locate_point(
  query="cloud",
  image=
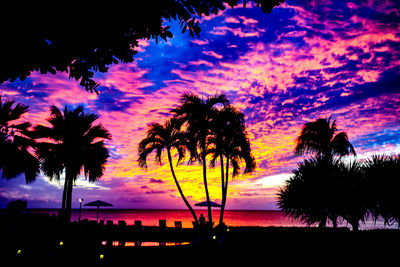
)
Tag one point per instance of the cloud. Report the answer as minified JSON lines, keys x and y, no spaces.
{"x":152,"y":192}
{"x":223,"y":30}
{"x":156,"y":181}
{"x":212,"y":54}
{"x":200,"y":42}
{"x":229,"y":19}
{"x":302,"y":61}
{"x":201,"y":62}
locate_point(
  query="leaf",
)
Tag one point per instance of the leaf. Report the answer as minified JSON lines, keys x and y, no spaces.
{"x":169,"y":34}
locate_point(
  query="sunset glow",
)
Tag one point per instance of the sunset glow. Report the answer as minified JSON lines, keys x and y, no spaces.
{"x":283,"y":69}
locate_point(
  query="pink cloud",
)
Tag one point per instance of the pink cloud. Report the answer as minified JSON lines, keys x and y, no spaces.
{"x":222,"y":30}
{"x":60,"y":89}
{"x":246,"y":20}
{"x":212,"y":54}
{"x":200,"y":42}
{"x":268,"y":72}
{"x":231,"y":20}
{"x":296,"y":34}
{"x":201,"y":62}
{"x":142,"y":44}
{"x":126,"y":78}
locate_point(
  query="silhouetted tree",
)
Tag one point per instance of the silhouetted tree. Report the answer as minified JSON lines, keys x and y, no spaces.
{"x":74,"y":143}
{"x":320,"y":139}
{"x":15,"y":142}
{"x":311,"y":193}
{"x":353,"y":202}
{"x":81,"y":40}
{"x":197,"y":115}
{"x":164,"y":138}
{"x":229,"y":140}
{"x":382,"y":174}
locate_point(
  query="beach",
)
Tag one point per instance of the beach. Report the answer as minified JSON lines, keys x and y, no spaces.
{"x":41,"y":238}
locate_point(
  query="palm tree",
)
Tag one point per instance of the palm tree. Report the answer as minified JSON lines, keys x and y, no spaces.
{"x":229,"y":140}
{"x":197,"y":115}
{"x":311,"y":193}
{"x":15,"y":142}
{"x":320,"y":138}
{"x":382,"y":174}
{"x":165,"y":137}
{"x":354,"y":193}
{"x":74,"y":144}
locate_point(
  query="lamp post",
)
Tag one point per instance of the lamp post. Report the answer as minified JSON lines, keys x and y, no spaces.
{"x":80,"y":208}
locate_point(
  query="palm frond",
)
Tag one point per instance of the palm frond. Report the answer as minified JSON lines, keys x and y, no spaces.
{"x":18,"y":111}
{"x":15,"y":141}
{"x":76,"y":144}
{"x":318,"y":138}
{"x":341,"y":145}
{"x":146,"y":147}
{"x":95,"y":161}
{"x":97,"y":131}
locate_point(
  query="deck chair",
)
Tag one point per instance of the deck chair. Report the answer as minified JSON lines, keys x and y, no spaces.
{"x":121,"y":223}
{"x":138,"y":225}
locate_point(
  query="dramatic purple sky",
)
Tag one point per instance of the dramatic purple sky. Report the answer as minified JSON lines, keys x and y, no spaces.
{"x":303,"y":61}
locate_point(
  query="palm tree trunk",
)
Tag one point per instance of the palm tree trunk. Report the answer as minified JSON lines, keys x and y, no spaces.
{"x":64,"y":195}
{"x":333,"y":218}
{"x":180,"y":189}
{"x":225,"y":194}
{"x":322,"y":222}
{"x":203,"y":158}
{"x":221,"y":215}
{"x":68,"y":201}
{"x":354,"y":223}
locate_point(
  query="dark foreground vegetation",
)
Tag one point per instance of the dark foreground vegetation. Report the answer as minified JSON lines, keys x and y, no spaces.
{"x":42,"y":239}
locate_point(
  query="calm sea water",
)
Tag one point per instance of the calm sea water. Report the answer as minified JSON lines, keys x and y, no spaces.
{"x":231,"y":217}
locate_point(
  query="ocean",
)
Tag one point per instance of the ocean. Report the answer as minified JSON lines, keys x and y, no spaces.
{"x":263,"y":218}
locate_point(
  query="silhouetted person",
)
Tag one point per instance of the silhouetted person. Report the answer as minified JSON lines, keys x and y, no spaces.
{"x":202,"y":221}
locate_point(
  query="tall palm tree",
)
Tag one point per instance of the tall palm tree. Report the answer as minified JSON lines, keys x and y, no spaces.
{"x":164,"y":138}
{"x":74,"y":143}
{"x":197,"y":115}
{"x":15,"y":142}
{"x":320,"y":138}
{"x":229,"y":140}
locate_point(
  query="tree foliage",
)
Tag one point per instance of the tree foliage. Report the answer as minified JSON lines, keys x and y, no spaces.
{"x":197,"y":115}
{"x":16,"y":142}
{"x":85,"y":39}
{"x":209,"y":128}
{"x":310,"y":194}
{"x":162,"y":138}
{"x":320,"y":138}
{"x":228,"y":141}
{"x":351,"y":190}
{"x":71,"y":144}
{"x":383,"y":180}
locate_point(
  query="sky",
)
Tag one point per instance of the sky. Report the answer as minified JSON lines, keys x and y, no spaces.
{"x":303,"y":61}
